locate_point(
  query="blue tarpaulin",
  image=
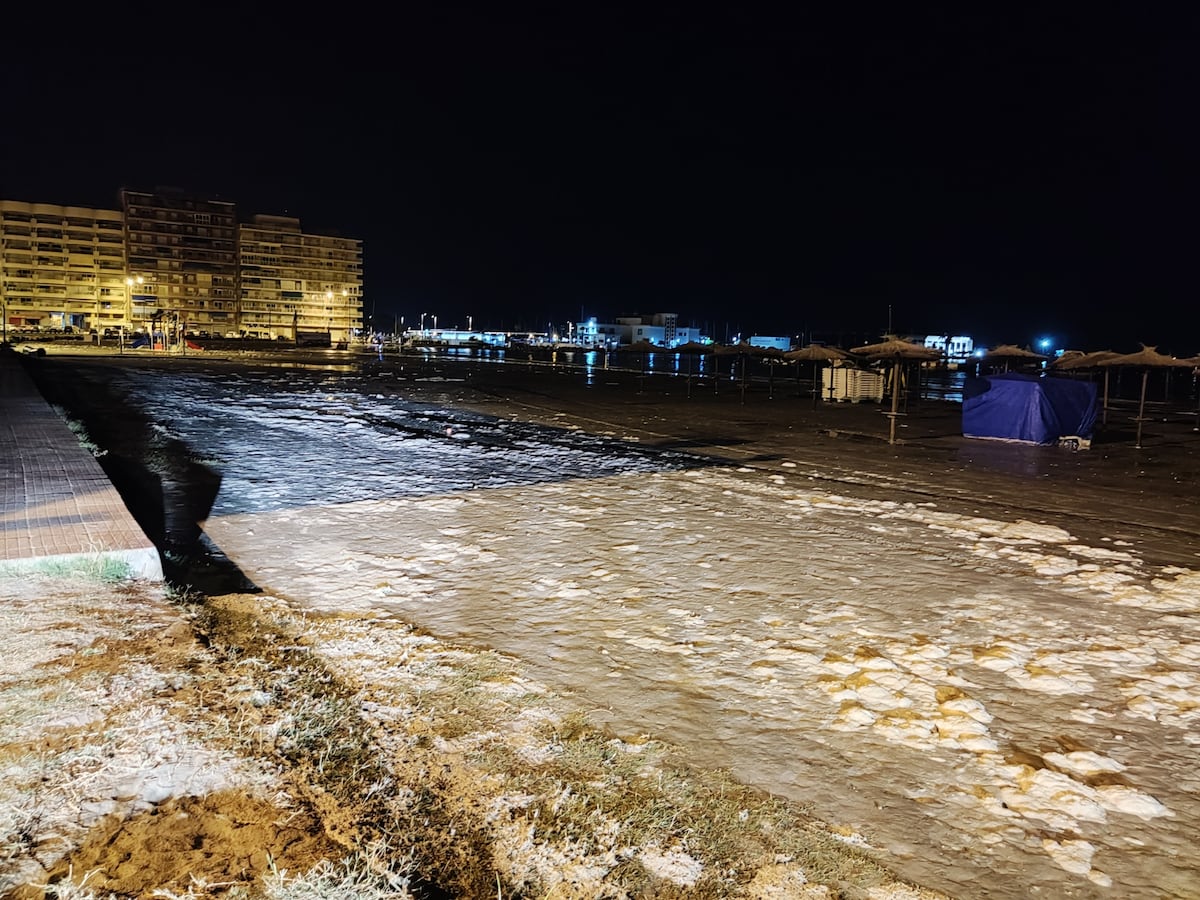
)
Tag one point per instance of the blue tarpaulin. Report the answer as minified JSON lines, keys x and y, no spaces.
{"x":1028,"y":408}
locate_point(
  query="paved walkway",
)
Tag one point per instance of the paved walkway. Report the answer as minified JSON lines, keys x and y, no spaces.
{"x":57,"y":507}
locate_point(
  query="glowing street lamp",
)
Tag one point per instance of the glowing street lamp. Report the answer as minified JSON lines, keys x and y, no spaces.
{"x":130,"y":281}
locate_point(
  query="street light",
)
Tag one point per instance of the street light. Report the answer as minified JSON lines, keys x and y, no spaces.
{"x":129,"y":283}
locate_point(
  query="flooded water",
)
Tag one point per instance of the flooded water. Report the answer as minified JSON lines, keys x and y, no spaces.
{"x":984,"y":699}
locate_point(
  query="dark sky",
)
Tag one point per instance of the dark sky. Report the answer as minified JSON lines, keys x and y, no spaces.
{"x":1006,"y":173}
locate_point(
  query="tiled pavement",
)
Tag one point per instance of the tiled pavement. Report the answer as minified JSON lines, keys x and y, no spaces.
{"x":56,"y":503}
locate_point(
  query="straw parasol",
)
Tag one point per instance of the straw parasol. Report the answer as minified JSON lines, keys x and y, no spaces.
{"x":898,"y":351}
{"x":1075,"y":359}
{"x":1009,"y":352}
{"x":644,"y":348}
{"x":1146,"y":359}
{"x":816,"y":354}
{"x":690,"y":350}
{"x":741,"y":350}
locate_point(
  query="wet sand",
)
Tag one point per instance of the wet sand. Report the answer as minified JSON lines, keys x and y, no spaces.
{"x":1144,"y":498}
{"x":1148,"y":496}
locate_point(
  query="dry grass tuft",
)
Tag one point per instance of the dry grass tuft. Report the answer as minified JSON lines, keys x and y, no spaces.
{"x":413,"y":768}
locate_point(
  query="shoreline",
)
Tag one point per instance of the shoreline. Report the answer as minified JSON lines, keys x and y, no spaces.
{"x":1149,"y":496}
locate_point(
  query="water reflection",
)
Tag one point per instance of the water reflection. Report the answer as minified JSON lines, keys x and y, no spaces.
{"x":943,"y":384}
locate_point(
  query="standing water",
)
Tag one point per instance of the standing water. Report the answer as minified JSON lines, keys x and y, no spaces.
{"x":984,"y":700}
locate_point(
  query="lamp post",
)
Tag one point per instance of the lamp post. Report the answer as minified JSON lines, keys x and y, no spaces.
{"x":129,"y":283}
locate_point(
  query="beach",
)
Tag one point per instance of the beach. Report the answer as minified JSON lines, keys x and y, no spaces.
{"x":968,"y":659}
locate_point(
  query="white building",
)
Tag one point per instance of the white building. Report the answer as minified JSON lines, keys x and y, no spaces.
{"x":957,"y":348}
{"x":662,"y":329}
{"x":770,"y":343}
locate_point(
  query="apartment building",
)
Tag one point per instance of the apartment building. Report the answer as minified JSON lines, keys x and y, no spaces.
{"x":61,"y":267}
{"x":295,"y":284}
{"x":175,"y":263}
{"x":182,"y":260}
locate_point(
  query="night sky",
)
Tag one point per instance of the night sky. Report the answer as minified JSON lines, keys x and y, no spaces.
{"x":1007,"y":173}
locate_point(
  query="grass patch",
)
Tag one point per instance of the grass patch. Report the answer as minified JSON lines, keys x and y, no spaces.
{"x":95,"y":567}
{"x":491,"y":787}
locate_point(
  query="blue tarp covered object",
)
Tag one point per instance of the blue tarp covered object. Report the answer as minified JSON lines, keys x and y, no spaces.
{"x":1028,"y":408}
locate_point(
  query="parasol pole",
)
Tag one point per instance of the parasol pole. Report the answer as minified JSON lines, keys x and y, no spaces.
{"x":1142,"y":406}
{"x":742,"y":361}
{"x":895,"y":401}
{"x":816,"y":385}
{"x":1104,"y":419}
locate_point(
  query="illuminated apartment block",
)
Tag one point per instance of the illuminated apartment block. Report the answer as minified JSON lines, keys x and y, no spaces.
{"x":175,"y":263}
{"x":182,"y":260}
{"x":61,"y":267}
{"x":295,"y":285}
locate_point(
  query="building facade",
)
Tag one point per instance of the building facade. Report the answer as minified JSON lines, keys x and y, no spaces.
{"x":171,"y":263}
{"x":61,"y":267}
{"x":182,"y":259}
{"x":956,"y":347}
{"x":295,"y":284}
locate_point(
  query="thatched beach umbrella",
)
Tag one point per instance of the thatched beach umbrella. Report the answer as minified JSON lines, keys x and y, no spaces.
{"x":1146,"y":359}
{"x":643,"y":348}
{"x":816,"y":354}
{"x":899,"y":352}
{"x":742,"y":351}
{"x":1077,"y":359}
{"x":1195,"y":362}
{"x":1007,"y":353}
{"x":693,"y":349}
{"x":1074,"y":360}
{"x":773,"y":356}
